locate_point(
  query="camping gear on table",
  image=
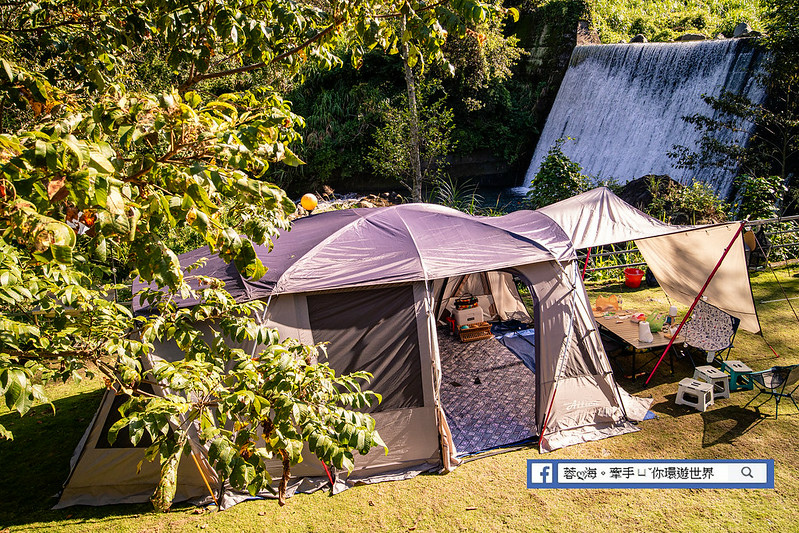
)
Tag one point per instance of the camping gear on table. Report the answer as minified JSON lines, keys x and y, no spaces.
{"x":644,"y":332}
{"x":655,"y":322}
{"x":608,"y":303}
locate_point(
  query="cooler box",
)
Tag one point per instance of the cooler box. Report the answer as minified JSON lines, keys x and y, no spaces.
{"x":465,"y":317}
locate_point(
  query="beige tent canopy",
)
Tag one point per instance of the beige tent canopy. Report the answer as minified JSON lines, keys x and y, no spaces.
{"x":368,"y":281}
{"x":681,"y":257}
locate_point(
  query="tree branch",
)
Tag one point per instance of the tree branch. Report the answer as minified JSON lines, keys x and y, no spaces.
{"x":422,"y":10}
{"x":34,"y":29}
{"x":193,"y":80}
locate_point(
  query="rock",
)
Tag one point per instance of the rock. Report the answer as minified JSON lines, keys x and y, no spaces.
{"x":639,"y":39}
{"x":586,"y":34}
{"x":691,"y":37}
{"x":638,"y":193}
{"x":741,"y":30}
{"x":719,"y":36}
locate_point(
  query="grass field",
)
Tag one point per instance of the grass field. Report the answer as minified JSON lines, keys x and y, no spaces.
{"x":483,"y":495}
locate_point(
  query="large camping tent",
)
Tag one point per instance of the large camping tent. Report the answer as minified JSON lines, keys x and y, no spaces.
{"x":370,"y":281}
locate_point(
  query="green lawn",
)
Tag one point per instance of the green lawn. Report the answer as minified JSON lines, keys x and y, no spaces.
{"x":483,"y":495}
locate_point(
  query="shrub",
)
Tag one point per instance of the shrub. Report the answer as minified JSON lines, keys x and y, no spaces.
{"x":758,"y":198}
{"x":558,"y":178}
{"x":696,"y":204}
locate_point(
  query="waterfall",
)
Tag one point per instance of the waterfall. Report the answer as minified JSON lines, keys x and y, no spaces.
{"x":622,"y":104}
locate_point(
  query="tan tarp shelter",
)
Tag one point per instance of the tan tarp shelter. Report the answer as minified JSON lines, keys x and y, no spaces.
{"x":681,"y":257}
{"x":365,"y":280}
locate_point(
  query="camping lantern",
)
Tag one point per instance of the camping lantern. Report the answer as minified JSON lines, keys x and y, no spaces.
{"x":309,"y":202}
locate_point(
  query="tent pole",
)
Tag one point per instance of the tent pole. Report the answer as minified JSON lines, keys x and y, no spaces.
{"x":696,"y":300}
{"x":563,"y":349}
{"x":207,"y":485}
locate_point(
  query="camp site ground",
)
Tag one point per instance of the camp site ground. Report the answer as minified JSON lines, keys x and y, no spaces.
{"x":489,"y":494}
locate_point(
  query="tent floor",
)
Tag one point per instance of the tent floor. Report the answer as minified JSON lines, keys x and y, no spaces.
{"x":487,"y":393}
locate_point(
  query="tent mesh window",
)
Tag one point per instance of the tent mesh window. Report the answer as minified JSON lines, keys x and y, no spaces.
{"x":373,"y":330}
{"x":123,"y":437}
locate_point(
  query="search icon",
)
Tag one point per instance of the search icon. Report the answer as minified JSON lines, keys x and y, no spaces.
{"x":747,"y":472}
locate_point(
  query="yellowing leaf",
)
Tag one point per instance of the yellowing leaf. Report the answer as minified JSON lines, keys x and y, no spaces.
{"x":114,"y":202}
{"x":100,"y":162}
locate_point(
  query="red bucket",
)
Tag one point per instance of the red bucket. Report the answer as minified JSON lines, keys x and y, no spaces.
{"x":632,"y":277}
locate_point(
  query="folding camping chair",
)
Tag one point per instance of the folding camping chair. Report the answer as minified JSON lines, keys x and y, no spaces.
{"x":775,"y":382}
{"x":710,"y":330}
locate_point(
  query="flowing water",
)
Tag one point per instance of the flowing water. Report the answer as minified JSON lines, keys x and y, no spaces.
{"x":623,"y":106}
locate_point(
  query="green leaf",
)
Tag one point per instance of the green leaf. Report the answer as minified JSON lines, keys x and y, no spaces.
{"x":113,"y":432}
{"x":63,"y":235}
{"x":61,"y":254}
{"x":114,"y":201}
{"x":136,"y":430}
{"x":242,"y":474}
{"x":99,"y":162}
{"x":167,"y":483}
{"x":291,"y":159}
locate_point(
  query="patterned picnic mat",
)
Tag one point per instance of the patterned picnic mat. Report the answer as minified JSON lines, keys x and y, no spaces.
{"x":487,"y":393}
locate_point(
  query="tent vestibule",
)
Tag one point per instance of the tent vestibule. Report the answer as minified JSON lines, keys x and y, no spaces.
{"x":681,"y":257}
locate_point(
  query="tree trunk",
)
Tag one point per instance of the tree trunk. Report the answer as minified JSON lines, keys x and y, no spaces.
{"x":413,"y":119}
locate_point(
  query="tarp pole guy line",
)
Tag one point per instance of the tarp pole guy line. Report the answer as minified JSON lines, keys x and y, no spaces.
{"x":696,"y":300}
{"x":784,"y":294}
{"x":779,"y":300}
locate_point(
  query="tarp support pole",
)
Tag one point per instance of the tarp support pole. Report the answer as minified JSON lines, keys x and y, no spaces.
{"x":696,"y":300}
{"x":585,"y":266}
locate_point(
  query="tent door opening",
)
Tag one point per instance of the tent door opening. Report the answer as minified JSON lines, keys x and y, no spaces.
{"x":487,"y":386}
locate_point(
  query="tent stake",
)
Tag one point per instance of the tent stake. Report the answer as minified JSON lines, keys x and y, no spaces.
{"x":696,"y":300}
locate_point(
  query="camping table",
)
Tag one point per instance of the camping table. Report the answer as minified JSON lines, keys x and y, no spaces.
{"x":627,"y":332}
